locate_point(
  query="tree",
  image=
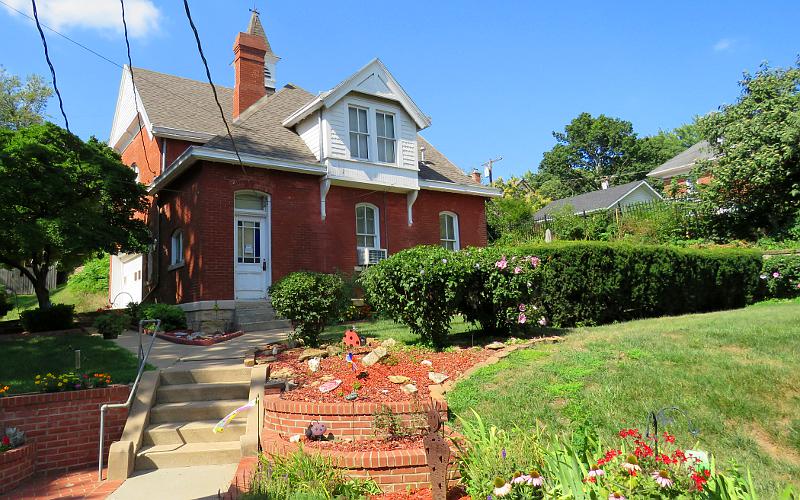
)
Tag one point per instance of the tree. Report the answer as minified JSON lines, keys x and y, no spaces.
{"x":22,"y":105}
{"x":515,"y":208}
{"x":657,"y":149}
{"x":63,"y":200}
{"x":755,"y":186}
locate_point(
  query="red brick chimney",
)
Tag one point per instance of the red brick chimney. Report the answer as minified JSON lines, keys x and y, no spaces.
{"x":476,"y":175}
{"x":248,"y":62}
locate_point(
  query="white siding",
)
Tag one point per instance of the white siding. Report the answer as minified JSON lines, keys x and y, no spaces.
{"x":336,"y":120}
{"x":357,"y":172}
{"x":308,"y":130}
{"x":639,"y":195}
{"x":126,"y":280}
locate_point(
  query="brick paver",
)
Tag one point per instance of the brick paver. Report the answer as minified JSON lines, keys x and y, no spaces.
{"x":80,"y":483}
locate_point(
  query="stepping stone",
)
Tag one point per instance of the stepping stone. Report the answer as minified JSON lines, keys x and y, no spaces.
{"x":496,"y":345}
{"x":312,"y":353}
{"x":437,"y":378}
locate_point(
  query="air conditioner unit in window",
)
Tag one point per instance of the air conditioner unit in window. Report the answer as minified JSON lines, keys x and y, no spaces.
{"x":369,"y":256}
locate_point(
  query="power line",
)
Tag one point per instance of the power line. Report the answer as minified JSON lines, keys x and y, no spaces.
{"x":49,"y":63}
{"x":210,"y":82}
{"x":135,"y":93}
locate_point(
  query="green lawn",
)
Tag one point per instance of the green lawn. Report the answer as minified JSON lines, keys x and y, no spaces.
{"x":460,"y":332}
{"x":23,"y":359}
{"x":63,"y":294}
{"x":734,"y":373}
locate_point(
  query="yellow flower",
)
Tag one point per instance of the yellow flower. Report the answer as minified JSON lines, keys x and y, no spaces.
{"x":38,"y":377}
{"x":60,"y":384}
{"x":37,"y":382}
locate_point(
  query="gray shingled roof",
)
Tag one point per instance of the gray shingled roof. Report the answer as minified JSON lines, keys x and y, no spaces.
{"x":700,"y":151}
{"x":180,"y":103}
{"x":255,"y":28}
{"x":184,"y":104}
{"x":594,"y":200}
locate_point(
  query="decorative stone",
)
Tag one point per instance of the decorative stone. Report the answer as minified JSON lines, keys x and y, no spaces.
{"x":437,"y":378}
{"x":313,"y":364}
{"x":398,"y":379}
{"x":352,"y":396}
{"x":312,"y":353}
{"x":329,"y":386}
{"x":389,"y":343}
{"x":249,"y":362}
{"x":496,"y":345}
{"x":282,"y":373}
{"x":327,"y":378}
{"x":426,"y":362}
{"x":296,"y":438}
{"x":373,"y":357}
{"x":409,"y":388}
{"x":333,"y":350}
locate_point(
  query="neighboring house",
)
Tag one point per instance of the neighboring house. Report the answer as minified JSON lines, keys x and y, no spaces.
{"x":603,"y":199}
{"x":328,"y":182}
{"x":680,"y":167}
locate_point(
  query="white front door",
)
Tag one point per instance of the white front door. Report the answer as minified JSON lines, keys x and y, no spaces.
{"x":251,"y":249}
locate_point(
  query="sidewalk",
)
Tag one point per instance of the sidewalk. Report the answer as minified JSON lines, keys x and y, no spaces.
{"x":182,"y":483}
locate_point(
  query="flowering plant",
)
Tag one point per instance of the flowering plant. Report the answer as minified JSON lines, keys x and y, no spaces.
{"x":4,"y":390}
{"x":780,"y":277}
{"x":71,"y":381}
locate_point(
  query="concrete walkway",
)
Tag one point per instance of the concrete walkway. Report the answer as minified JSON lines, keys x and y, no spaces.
{"x":183,"y":483}
{"x":167,"y":354}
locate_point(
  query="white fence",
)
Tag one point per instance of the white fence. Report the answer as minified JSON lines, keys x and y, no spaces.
{"x":12,"y":279}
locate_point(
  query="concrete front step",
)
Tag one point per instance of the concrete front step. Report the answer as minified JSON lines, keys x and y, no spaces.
{"x":199,"y":431}
{"x":178,"y":393}
{"x":189,"y":454}
{"x":193,"y":410}
{"x":205,"y":375}
{"x":258,"y":326}
{"x":248,"y":305}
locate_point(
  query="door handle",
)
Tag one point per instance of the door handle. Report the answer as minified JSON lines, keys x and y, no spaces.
{"x":263,"y":264}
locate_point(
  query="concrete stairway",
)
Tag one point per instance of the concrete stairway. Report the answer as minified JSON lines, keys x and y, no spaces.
{"x":256,"y":315}
{"x":188,"y":403}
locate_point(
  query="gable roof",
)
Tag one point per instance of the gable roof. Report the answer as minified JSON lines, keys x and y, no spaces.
{"x":595,"y":200}
{"x":437,"y":167}
{"x":684,"y":161}
{"x":373,"y":79}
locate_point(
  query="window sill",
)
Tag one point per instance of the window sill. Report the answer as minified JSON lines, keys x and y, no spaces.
{"x":175,"y":266}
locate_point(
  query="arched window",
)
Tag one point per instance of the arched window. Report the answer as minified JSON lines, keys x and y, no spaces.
{"x":448,"y":230}
{"x":176,"y":250}
{"x":135,"y":168}
{"x":368,"y":233}
{"x":250,"y":201}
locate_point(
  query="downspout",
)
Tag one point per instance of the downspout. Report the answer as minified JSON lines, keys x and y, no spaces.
{"x":325,"y":183}
{"x":385,"y":223}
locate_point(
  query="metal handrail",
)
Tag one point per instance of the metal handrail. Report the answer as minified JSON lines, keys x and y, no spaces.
{"x":127,"y":404}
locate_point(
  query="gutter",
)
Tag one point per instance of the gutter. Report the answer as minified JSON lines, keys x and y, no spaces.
{"x":451,"y":187}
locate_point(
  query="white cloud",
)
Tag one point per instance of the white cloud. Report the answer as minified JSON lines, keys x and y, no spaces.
{"x":723,"y":44}
{"x":142,"y":16}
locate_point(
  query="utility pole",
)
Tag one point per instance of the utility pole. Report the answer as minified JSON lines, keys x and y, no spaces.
{"x":487,"y":167}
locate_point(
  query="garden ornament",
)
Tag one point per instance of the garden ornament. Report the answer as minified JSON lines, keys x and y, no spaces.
{"x":663,"y":418}
{"x":316,"y":431}
{"x":351,"y":339}
{"x":437,"y":452}
{"x":313,"y":364}
{"x":352,"y":396}
{"x":329,"y":386}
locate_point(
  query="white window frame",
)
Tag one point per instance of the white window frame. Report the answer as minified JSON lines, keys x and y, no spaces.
{"x":358,"y":134}
{"x":376,"y":225}
{"x":177,"y":248}
{"x":456,"y":240}
{"x":379,"y":137}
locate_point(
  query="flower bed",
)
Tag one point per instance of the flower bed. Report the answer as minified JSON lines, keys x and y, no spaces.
{"x":188,"y":337}
{"x":16,"y":465}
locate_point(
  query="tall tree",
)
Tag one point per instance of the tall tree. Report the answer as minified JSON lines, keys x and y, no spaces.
{"x":756,"y":177}
{"x":63,"y":200}
{"x":21,"y":104}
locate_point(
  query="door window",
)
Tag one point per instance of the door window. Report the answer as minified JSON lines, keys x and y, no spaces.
{"x":249,"y":242}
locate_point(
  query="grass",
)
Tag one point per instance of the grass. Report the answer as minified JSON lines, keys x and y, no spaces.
{"x":461,"y":332}
{"x":25,"y":358}
{"x":63,"y":294}
{"x":734,"y":373}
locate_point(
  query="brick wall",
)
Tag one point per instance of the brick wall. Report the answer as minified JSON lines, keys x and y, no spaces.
{"x":201,"y":203}
{"x":16,"y":466}
{"x":65,"y":426}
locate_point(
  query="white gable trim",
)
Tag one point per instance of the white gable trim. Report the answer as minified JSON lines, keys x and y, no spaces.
{"x":125,"y":112}
{"x":658,"y":195}
{"x":374,"y":69}
{"x":451,"y":187}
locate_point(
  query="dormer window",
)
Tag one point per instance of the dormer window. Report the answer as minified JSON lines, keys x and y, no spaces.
{"x":359,"y":133}
{"x":386,"y":137}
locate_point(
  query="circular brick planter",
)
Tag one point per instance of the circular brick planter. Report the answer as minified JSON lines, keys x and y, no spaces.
{"x":16,"y":465}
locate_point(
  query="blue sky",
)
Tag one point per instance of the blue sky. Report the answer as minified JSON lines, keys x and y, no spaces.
{"x":496,"y":78}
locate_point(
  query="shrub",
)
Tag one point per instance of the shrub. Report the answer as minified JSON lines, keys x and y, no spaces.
{"x":5,"y":302}
{"x":305,"y":476}
{"x":57,"y":317}
{"x":110,"y":325}
{"x":93,"y":278}
{"x":134,"y":311}
{"x":780,"y":277}
{"x":172,"y":317}
{"x":309,"y":300}
{"x":418,"y":287}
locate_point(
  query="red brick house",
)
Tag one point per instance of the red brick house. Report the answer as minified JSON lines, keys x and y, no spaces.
{"x":327,"y":182}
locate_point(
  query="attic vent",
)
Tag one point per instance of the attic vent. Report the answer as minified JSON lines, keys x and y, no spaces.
{"x":267,"y":74}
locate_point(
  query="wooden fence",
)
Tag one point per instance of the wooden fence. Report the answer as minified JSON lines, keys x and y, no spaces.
{"x":12,"y":279}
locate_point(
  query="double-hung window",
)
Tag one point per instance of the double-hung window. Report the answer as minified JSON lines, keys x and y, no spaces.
{"x":448,"y":230}
{"x":367,"y":232}
{"x":386,"y":137}
{"x":176,"y":250}
{"x":359,"y":133}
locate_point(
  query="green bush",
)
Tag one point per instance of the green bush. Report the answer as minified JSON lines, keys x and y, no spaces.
{"x":5,"y":302}
{"x":93,"y":278}
{"x":780,"y":277}
{"x":309,"y":300}
{"x":110,"y":325}
{"x":57,"y":317}
{"x":134,"y":311}
{"x":418,"y":287}
{"x":172,"y":317}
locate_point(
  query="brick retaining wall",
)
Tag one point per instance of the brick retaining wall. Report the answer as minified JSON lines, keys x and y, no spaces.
{"x":16,"y":466}
{"x":65,"y":426}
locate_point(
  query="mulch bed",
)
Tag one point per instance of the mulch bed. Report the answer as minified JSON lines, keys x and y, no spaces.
{"x":372,"y":382}
{"x":406,"y":443}
{"x":205,"y":340}
{"x":456,"y":493}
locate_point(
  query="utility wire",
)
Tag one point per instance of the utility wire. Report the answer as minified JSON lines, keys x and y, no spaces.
{"x":135,"y":93}
{"x":210,"y":82}
{"x":49,"y":63}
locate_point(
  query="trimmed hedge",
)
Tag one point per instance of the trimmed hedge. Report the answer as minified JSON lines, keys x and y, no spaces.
{"x":564,"y":284}
{"x":172,"y":317}
{"x":57,"y":317}
{"x":780,"y":277}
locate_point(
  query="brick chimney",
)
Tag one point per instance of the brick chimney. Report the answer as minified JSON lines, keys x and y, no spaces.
{"x":476,"y":175}
{"x":248,"y":63}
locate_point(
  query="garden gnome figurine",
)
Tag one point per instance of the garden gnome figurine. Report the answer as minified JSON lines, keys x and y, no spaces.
{"x":437,"y":452}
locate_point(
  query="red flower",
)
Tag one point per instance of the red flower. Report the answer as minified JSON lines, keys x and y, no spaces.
{"x":6,"y":441}
{"x":707,"y":473}
{"x":590,"y":480}
{"x":630,"y":432}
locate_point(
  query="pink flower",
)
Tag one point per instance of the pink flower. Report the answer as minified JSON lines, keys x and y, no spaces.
{"x":536,"y":479}
{"x":542,"y":321}
{"x":798,"y":284}
{"x":596,"y":472}
{"x":662,"y":478}
{"x":517,"y":270}
{"x":522,"y":308}
{"x":502,"y":263}
{"x":522,"y":318}
{"x":776,"y":274}
{"x":535,"y":261}
{"x":502,"y":491}
{"x":616,"y":496}
{"x":523,"y":479}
